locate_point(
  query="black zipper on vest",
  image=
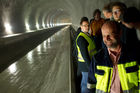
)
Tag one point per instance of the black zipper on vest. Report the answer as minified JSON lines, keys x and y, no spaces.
{"x":108,"y":79}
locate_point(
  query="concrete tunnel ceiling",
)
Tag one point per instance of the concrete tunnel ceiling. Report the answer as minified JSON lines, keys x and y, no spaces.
{"x":25,"y":15}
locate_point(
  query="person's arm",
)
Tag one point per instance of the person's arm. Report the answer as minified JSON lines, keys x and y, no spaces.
{"x":91,"y":84}
{"x":83,"y":45}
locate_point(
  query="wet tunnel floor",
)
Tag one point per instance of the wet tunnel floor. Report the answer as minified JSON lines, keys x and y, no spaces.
{"x":44,"y":69}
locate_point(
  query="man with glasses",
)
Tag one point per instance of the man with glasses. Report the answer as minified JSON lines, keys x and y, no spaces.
{"x":118,"y":9}
{"x":86,"y":49}
{"x":128,"y":35}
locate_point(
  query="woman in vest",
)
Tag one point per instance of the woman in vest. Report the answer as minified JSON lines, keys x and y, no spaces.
{"x":86,"y":49}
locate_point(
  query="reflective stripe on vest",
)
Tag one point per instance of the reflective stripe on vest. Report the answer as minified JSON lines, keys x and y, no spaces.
{"x":126,"y":91}
{"x":133,"y":90}
{"x":100,"y":91}
{"x":103,"y":78}
{"x":91,"y":86}
{"x":128,"y":74}
{"x":139,"y":77}
{"x":131,"y":76}
{"x":91,"y":47}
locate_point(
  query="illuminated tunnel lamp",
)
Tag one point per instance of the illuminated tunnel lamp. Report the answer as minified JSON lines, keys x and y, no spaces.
{"x":27,"y":27}
{"x":48,"y":25}
{"x":37,"y":26}
{"x":8,"y":28}
{"x":43,"y":24}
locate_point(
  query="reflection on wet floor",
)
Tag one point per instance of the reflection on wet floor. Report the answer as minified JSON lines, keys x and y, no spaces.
{"x":32,"y":72}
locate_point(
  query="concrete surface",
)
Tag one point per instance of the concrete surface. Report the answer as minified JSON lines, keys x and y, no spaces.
{"x":45,"y":69}
{"x":14,"y":47}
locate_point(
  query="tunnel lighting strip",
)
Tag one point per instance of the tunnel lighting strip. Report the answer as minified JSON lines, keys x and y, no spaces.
{"x":8,"y":28}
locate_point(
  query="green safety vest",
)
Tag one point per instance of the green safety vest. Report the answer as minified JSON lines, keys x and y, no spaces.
{"x":129,"y":74}
{"x":91,"y":47}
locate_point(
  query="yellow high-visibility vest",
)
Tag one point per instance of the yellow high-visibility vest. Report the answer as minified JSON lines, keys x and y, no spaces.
{"x":128,"y":74}
{"x":91,"y":47}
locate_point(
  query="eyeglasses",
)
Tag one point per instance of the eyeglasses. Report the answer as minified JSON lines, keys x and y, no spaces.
{"x":85,"y":25}
{"x":116,"y":11}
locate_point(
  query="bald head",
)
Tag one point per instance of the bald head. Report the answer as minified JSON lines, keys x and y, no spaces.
{"x":111,"y":34}
{"x":112,"y":25}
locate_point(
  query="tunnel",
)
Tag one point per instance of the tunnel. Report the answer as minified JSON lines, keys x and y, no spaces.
{"x":24,"y":16}
{"x":36,"y":43}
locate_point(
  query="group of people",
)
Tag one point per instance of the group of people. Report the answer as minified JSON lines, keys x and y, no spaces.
{"x":108,"y":50}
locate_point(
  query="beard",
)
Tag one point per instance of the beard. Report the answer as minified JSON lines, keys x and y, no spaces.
{"x":110,"y":44}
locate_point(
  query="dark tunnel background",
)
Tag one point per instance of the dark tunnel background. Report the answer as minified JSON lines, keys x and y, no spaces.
{"x":19,"y":16}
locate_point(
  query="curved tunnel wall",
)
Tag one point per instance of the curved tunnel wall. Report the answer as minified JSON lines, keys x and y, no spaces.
{"x":18,"y":16}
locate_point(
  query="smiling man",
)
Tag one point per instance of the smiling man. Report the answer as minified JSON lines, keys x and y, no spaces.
{"x":114,"y":69}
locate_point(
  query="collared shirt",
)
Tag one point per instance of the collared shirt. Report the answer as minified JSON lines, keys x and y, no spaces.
{"x":115,"y":83}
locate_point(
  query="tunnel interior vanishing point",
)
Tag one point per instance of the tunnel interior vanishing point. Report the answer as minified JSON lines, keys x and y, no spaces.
{"x":19,"y":16}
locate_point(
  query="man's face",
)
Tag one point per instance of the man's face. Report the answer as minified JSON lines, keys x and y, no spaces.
{"x":97,"y":16}
{"x":85,"y":26}
{"x":109,"y":37}
{"x":116,"y":13}
{"x":105,"y":13}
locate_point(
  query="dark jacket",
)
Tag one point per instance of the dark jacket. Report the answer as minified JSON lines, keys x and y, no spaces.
{"x":129,"y":36}
{"x":102,"y":59}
